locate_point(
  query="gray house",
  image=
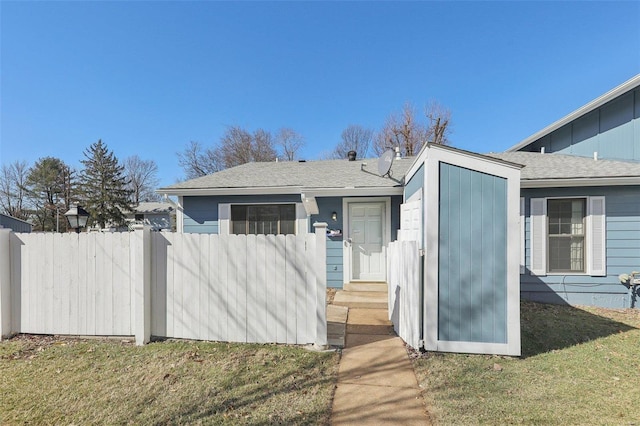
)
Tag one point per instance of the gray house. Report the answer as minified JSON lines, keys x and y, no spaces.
{"x":15,"y":224}
{"x":440,"y":201}
{"x":578,"y":193}
{"x":158,"y":215}
{"x":288,"y":197}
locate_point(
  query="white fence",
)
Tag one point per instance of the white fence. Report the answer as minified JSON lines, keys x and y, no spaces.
{"x":206,"y":287}
{"x":403,"y":278}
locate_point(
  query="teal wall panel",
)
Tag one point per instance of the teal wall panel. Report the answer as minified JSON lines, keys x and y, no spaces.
{"x":613,"y":131}
{"x":472,"y":252}
{"x":622,"y":206}
{"x":415,"y":183}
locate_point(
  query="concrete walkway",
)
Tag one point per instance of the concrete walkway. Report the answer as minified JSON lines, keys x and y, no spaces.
{"x":376,"y":382}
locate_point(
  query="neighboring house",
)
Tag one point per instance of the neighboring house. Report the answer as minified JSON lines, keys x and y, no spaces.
{"x":16,"y":225}
{"x":160,"y":216}
{"x":581,"y":202}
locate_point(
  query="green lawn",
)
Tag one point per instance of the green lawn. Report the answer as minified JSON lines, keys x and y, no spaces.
{"x":579,"y":367}
{"x":46,"y":380}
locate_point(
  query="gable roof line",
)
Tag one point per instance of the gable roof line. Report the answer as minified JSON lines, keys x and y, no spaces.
{"x":596,"y":103}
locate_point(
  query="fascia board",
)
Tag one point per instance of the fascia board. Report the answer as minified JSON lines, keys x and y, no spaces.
{"x":316,"y":192}
{"x":232,"y":191}
{"x":596,"y":103}
{"x":354,"y":192}
{"x":576,"y":182}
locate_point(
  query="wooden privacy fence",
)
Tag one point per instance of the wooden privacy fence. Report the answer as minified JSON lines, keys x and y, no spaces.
{"x":236,"y":288}
{"x":404,"y":279}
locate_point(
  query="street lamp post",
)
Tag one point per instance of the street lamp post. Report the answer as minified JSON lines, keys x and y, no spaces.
{"x":77,"y":217}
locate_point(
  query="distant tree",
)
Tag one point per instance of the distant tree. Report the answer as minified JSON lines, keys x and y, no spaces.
{"x":401,"y":130}
{"x":406,"y":131}
{"x":289,"y":141}
{"x":239,"y":146}
{"x":142,"y":176}
{"x":46,"y":187}
{"x":353,"y":138}
{"x":439,"y":126}
{"x":104,"y":186}
{"x":197,"y":161}
{"x":13,"y":193}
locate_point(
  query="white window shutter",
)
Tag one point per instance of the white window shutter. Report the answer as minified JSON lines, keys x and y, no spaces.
{"x":596,"y":238}
{"x":522,"y":237}
{"x":224,"y":219}
{"x":538,"y":236}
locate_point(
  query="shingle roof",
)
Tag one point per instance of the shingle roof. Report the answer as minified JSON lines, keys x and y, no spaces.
{"x":324,"y":174}
{"x":559,"y":166}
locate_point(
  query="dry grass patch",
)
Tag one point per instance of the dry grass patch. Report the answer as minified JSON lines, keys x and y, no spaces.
{"x":579,"y":366}
{"x":45,"y":380}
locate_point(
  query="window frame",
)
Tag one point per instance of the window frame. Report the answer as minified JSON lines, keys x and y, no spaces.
{"x":224,"y":216}
{"x":595,"y":236}
{"x":549,"y":236}
{"x":247,"y":221}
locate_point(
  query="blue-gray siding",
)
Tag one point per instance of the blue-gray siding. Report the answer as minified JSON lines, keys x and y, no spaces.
{"x":622,"y":206}
{"x":16,"y":225}
{"x":335,"y":263}
{"x":472,"y":252}
{"x":201,"y":213}
{"x":201,"y":216}
{"x":613,"y":131}
{"x":415,"y":183}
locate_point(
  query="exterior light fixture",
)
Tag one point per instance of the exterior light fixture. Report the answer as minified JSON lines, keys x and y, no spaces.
{"x":334,"y":216}
{"x":77,"y":217}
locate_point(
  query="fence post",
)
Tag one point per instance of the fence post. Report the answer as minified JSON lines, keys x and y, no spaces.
{"x":141,"y":282}
{"x":321,"y":285}
{"x":5,"y":283}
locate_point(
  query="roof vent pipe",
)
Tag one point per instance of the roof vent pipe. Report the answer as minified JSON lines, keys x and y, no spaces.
{"x":595,"y":155}
{"x":398,"y":156}
{"x":542,"y":150}
{"x":351,"y":155}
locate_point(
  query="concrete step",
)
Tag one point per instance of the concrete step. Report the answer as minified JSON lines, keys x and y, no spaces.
{"x":366,"y":286}
{"x":337,"y":325}
{"x":369,"y":321}
{"x":361,"y":299}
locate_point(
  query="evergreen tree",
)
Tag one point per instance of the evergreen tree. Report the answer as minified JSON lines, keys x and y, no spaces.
{"x":104,"y":187}
{"x":49,"y":185}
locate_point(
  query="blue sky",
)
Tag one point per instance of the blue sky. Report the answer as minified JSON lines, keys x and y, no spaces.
{"x":148,"y":77}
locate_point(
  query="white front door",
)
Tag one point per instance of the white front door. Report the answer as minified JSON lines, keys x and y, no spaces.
{"x":366,"y":239}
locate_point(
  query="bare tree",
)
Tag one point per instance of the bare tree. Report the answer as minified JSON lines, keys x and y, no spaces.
{"x":289,"y":142}
{"x":407,"y":132}
{"x":239,"y":146}
{"x":142,"y":176}
{"x":353,"y":138}
{"x":197,"y":161}
{"x":439,"y":126}
{"x":13,"y":194}
{"x":402,"y":130}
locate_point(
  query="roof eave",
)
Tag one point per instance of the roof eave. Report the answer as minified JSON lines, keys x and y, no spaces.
{"x":319,"y":192}
{"x":596,"y":103}
{"x":577,"y":182}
